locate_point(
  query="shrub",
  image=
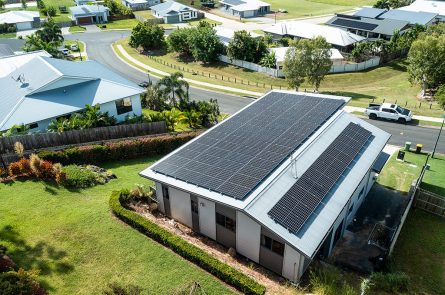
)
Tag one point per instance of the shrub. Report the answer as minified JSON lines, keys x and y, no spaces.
{"x":19,"y":149}
{"x":20,"y":282}
{"x":51,"y":11}
{"x":78,"y":177}
{"x":390,"y":282}
{"x":24,"y":165}
{"x":440,"y":96}
{"x":194,"y":254}
{"x":119,"y":150}
{"x":327,"y":280}
{"x":2,"y":172}
{"x":35,"y":162}
{"x":14,"y":169}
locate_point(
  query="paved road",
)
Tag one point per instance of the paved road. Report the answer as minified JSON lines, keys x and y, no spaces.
{"x":98,"y":48}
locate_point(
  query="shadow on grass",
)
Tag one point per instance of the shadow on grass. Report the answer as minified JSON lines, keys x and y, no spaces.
{"x":353,"y":95}
{"x":42,"y":256}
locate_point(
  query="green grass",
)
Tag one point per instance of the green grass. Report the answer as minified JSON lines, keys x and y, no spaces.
{"x":127,"y":24}
{"x":57,"y":3}
{"x":148,"y":14}
{"x":210,"y":21}
{"x":8,"y":35}
{"x":420,"y":252}
{"x":80,"y":247}
{"x":77,"y":29}
{"x":434,"y":179}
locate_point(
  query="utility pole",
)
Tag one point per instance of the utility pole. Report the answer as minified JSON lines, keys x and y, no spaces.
{"x":80,"y":51}
{"x":438,"y":136}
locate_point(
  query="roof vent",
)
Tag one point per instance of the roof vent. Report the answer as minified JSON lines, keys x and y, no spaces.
{"x":21,"y":79}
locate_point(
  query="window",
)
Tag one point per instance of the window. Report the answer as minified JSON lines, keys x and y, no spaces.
{"x":386,"y":110}
{"x":272,"y":245}
{"x":225,"y":221}
{"x":361,"y":193}
{"x":165,"y":192}
{"x":123,"y":106}
{"x":350,"y":209}
{"x":33,"y":125}
{"x":194,"y":205}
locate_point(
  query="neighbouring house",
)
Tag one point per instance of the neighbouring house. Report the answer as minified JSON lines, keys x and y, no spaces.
{"x":173,"y":12}
{"x":244,"y":8}
{"x":412,"y":17}
{"x":23,"y":20}
{"x":338,"y":38}
{"x":11,"y":62}
{"x":437,"y":7}
{"x":5,"y":50}
{"x":370,"y":28}
{"x":279,"y":181}
{"x":280,"y":53}
{"x":140,"y":4}
{"x":90,"y":14}
{"x":44,"y":89}
{"x":226,"y":35}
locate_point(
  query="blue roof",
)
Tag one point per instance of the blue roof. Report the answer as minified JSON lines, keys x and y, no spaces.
{"x":370,"y":12}
{"x":51,"y":88}
{"x":88,"y":9}
{"x":413,"y":17}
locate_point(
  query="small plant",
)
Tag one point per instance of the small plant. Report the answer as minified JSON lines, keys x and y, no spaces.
{"x":21,"y":282}
{"x":24,"y":165}
{"x":14,"y":169}
{"x":390,"y":282}
{"x":84,"y":176}
{"x":51,"y":11}
{"x":117,"y":289}
{"x":35,"y":162}
{"x":19,"y":149}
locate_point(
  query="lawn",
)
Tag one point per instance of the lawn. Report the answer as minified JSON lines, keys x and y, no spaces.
{"x":77,"y":29}
{"x":127,"y":24}
{"x":8,"y":35}
{"x":80,"y":247}
{"x":386,"y":83}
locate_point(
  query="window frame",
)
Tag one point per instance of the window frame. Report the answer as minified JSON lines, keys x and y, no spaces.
{"x":272,"y":245}
{"x":121,"y":108}
{"x":226,"y":222}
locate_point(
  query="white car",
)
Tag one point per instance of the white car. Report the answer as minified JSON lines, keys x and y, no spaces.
{"x":64,"y":51}
{"x":74,"y":47}
{"x":389,"y":111}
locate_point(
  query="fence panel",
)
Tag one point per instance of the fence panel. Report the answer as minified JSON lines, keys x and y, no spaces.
{"x":49,"y":139}
{"x":430,"y":202}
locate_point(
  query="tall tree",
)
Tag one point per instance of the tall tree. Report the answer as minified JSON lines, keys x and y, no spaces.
{"x":294,"y":67}
{"x":176,"y":86}
{"x":245,"y":47}
{"x":2,"y":4}
{"x":205,"y":45}
{"x":318,"y":55}
{"x":50,"y":32}
{"x":147,"y":35}
{"x":24,"y":4}
{"x":426,"y":61}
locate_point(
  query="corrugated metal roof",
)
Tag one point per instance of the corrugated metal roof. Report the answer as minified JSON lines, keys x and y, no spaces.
{"x":88,"y":9}
{"x":379,"y":26}
{"x":370,"y":12}
{"x":413,"y":17}
{"x":18,"y":16}
{"x":164,"y":9}
{"x":427,"y":6}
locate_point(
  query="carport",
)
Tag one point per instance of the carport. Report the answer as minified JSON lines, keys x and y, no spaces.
{"x":84,"y":20}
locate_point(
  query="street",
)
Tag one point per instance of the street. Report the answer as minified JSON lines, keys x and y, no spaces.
{"x":99,"y":49}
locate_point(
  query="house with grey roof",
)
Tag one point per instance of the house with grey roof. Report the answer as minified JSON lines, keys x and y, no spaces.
{"x":140,"y":4}
{"x":173,"y":12}
{"x":413,"y":17}
{"x":22,"y":20}
{"x":244,"y":8}
{"x":278,"y":181}
{"x":431,"y":6}
{"x":370,"y":28}
{"x":90,"y":14}
{"x":44,"y":89}
{"x":84,"y":2}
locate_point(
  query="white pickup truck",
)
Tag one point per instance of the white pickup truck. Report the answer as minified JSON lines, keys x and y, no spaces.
{"x":389,"y":111}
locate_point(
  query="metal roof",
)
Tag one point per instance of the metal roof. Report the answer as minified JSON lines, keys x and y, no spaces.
{"x":88,"y":10}
{"x":427,"y":6}
{"x":379,"y":26}
{"x":370,"y":12}
{"x":51,"y":88}
{"x":18,"y":16}
{"x":9,"y":64}
{"x":413,"y":17}
{"x":334,"y":36}
{"x":165,"y":8}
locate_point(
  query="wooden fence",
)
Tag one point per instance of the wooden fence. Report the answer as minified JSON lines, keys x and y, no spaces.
{"x":49,"y":139}
{"x":430,"y":202}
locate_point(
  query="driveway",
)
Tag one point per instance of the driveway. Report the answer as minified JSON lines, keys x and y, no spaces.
{"x":26,"y":33}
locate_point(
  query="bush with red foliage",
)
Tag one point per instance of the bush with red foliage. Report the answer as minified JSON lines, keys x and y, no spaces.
{"x":25,"y":167}
{"x":14,"y":169}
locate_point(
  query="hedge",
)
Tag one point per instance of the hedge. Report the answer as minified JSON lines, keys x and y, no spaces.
{"x":188,"y":251}
{"x":119,"y":150}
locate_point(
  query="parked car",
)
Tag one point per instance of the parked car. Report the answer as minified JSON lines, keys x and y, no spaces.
{"x":74,"y":47}
{"x":64,"y":51}
{"x":389,"y":111}
{"x":144,"y":84}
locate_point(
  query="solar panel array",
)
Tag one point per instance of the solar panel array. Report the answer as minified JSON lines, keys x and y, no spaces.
{"x":234,"y":157}
{"x":354,"y":24}
{"x":300,"y":201}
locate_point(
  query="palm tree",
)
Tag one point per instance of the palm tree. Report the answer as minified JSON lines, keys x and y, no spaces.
{"x":50,"y":32}
{"x":176,"y":86}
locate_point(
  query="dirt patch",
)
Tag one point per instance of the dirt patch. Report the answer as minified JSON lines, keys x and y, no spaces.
{"x":274,"y":284}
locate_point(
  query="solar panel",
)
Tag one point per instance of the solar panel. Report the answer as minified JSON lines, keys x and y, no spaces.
{"x":302,"y":199}
{"x":354,"y":24}
{"x":243,"y":150}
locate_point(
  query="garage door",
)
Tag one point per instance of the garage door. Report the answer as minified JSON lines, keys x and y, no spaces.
{"x":249,"y":13}
{"x":84,"y":20}
{"x":24,"y":26}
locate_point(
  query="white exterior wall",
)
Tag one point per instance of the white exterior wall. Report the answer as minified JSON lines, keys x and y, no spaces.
{"x":293,"y":264}
{"x":188,"y":15}
{"x":180,"y":206}
{"x":248,"y":235}
{"x":160,"y":197}
{"x":207,"y":222}
{"x":110,"y":107}
{"x":24,"y":26}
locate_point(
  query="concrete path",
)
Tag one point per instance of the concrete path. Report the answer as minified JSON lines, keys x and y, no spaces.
{"x":91,"y":29}
{"x":65,"y":31}
{"x":19,"y":5}
{"x":200,"y":83}
{"x":351,"y":109}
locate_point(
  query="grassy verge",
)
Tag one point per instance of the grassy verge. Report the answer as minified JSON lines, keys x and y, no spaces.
{"x":77,"y":29}
{"x":126,"y":24}
{"x":8,"y":35}
{"x":388,"y":83}
{"x":80,"y":247}
{"x":413,"y":122}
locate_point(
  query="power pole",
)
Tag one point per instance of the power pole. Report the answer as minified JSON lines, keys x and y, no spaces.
{"x":438,"y":137}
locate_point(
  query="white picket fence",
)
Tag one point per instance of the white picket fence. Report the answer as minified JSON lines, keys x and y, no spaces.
{"x":356,"y":67}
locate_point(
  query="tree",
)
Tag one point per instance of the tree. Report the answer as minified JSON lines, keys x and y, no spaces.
{"x":51,"y":11}
{"x":2,"y":4}
{"x":154,"y":98}
{"x":24,"y":4}
{"x":176,"y":86}
{"x":177,"y":41}
{"x":318,"y":54}
{"x":440,"y":96}
{"x":117,"y":8}
{"x":147,"y":35}
{"x":205,"y":45}
{"x":50,"y":32}
{"x":41,"y":5}
{"x":392,"y":4}
{"x":425,"y":58}
{"x":294,"y":67}
{"x":48,"y":38}
{"x":245,"y":47}
{"x":269,"y":60}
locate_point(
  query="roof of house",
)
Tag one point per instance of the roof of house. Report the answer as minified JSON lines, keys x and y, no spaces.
{"x":15,"y":44}
{"x":44,"y":88}
{"x":137,"y":1}
{"x":225,"y":35}
{"x":427,"y":6}
{"x":378,"y":26}
{"x":12,"y":62}
{"x":18,"y":16}
{"x":249,"y":161}
{"x":413,"y":17}
{"x":5,"y":50}
{"x":280,"y":53}
{"x":370,"y":12}
{"x":244,"y":5}
{"x":88,"y":9}
{"x":334,"y":36}
{"x":170,"y":7}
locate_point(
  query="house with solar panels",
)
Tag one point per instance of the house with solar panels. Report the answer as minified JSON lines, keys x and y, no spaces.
{"x":278,"y":181}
